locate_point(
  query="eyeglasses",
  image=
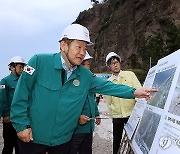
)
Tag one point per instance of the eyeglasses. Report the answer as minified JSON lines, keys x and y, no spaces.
{"x":114,"y":63}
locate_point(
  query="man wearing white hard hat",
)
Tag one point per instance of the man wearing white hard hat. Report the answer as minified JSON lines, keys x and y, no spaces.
{"x":51,"y":92}
{"x":81,"y":141}
{"x":86,"y":62}
{"x":120,"y":109}
{"x":8,"y":84}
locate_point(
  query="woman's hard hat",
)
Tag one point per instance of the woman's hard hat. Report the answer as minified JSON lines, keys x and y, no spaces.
{"x":76,"y":32}
{"x":17,"y":59}
{"x":110,"y":55}
{"x":87,"y":56}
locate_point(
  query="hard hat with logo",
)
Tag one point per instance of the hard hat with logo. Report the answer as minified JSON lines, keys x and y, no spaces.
{"x":110,"y":55}
{"x":87,"y":56}
{"x":17,"y":59}
{"x":76,"y":32}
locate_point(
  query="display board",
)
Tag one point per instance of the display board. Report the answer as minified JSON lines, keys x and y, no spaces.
{"x":139,"y":107}
{"x":158,"y":130}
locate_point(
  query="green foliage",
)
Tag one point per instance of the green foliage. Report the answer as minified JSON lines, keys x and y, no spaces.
{"x":153,"y":48}
{"x":104,"y":69}
{"x":134,"y":61}
{"x":173,"y":41}
{"x":157,"y":47}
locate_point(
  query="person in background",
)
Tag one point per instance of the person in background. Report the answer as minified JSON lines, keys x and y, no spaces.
{"x":120,"y":109}
{"x":1,"y":87}
{"x":81,"y":142}
{"x":98,"y":98}
{"x":8,"y":85}
{"x":51,"y":93}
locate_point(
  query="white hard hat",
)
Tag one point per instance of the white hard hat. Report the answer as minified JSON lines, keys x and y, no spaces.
{"x":110,"y":55}
{"x":87,"y":56}
{"x":76,"y":32}
{"x":17,"y":59}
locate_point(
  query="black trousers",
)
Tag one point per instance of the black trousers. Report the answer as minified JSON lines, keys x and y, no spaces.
{"x":10,"y":139}
{"x":81,"y":144}
{"x":118,"y":125}
{"x":34,"y":148}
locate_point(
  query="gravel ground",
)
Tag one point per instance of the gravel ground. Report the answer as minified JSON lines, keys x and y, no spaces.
{"x":102,"y":142}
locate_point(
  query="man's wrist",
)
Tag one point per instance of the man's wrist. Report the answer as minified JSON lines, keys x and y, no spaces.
{"x":133,"y":90}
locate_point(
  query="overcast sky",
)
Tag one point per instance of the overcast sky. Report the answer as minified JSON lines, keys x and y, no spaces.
{"x":28,"y":27}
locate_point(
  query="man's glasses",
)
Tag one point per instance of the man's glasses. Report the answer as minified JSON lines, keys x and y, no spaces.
{"x":114,"y":63}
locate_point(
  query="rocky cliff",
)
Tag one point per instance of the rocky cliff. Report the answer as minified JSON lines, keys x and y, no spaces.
{"x":119,"y":25}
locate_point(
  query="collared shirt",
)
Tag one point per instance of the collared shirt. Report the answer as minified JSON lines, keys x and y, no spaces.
{"x":118,"y":107}
{"x":69,"y":72}
{"x":116,"y":77}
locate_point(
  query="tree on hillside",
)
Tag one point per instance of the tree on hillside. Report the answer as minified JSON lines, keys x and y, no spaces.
{"x":152,"y":48}
{"x":173,"y":40}
{"x":156,"y":47}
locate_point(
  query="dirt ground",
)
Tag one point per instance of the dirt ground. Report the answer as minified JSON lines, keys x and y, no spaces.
{"x":102,"y":142}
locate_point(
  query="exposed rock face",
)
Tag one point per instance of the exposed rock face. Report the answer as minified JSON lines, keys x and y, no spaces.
{"x":118,"y":25}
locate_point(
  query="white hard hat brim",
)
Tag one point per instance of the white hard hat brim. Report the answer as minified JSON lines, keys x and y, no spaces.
{"x":110,"y":55}
{"x":77,"y":32}
{"x":87,"y":56}
{"x":17,"y":59}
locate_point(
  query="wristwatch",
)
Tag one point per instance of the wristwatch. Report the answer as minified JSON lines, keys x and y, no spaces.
{"x":28,"y":126}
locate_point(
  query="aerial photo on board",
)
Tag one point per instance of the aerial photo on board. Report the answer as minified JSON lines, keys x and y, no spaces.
{"x":147,"y":130}
{"x":175,"y":103}
{"x":162,"y":82}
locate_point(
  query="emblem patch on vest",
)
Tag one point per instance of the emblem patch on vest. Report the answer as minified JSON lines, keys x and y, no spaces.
{"x":28,"y":69}
{"x":76,"y":82}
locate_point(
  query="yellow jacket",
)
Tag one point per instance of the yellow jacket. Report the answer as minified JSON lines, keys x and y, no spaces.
{"x":118,"y":107}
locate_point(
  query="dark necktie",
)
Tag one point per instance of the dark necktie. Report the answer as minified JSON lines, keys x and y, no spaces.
{"x":63,"y":76}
